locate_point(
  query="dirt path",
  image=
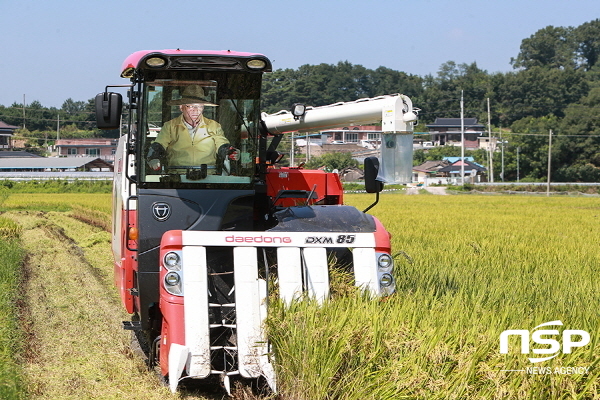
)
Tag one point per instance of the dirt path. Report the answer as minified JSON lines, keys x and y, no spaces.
{"x":436,"y":190}
{"x":76,"y":348}
{"x":441,"y":190}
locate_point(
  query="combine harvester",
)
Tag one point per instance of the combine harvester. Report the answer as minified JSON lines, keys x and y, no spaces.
{"x":198,"y":246}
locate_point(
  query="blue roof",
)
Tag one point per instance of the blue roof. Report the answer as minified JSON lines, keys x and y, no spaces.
{"x":452,"y":160}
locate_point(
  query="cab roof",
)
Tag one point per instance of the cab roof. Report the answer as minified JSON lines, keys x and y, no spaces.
{"x":133,"y":60}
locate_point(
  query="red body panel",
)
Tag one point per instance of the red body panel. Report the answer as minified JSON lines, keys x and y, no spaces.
{"x":329,"y":187}
{"x":171,"y":307}
{"x":125,"y":267}
{"x":382,"y":238}
{"x":172,"y":330}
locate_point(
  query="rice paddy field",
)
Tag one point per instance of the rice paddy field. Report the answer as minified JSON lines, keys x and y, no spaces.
{"x":468,"y":267}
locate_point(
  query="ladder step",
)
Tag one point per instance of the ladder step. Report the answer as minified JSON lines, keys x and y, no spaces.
{"x":228,"y":373}
{"x":220,"y":273}
{"x":222,"y":326}
{"x":221,"y":305}
{"x":223,"y":348}
{"x":132,"y":325}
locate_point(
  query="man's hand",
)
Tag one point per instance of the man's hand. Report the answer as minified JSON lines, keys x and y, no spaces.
{"x":154,"y":164}
{"x":233,"y":154}
{"x":155,"y":154}
{"x":229,"y":152}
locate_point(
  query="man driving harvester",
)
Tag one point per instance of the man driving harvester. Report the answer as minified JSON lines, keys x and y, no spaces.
{"x":191,"y":140}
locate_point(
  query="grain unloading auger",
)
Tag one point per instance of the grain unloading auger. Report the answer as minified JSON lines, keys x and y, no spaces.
{"x":205,"y":221}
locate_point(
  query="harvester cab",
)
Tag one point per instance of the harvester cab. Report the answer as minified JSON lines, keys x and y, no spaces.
{"x":205,"y":223}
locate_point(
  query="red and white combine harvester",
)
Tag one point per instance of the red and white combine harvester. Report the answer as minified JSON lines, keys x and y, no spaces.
{"x":206,"y":223}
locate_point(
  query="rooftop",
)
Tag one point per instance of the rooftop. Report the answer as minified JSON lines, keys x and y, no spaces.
{"x":4,"y":125}
{"x":17,"y":154}
{"x":455,"y":123}
{"x":43,"y":163}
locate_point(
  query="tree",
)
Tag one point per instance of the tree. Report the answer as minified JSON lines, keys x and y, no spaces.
{"x":38,"y":117}
{"x":531,"y":137}
{"x":549,"y":47}
{"x":442,"y":93}
{"x":561,"y":47}
{"x":388,"y":81}
{"x":319,"y":85}
{"x":538,"y":91}
{"x":578,"y":149}
{"x":587,"y":37}
{"x":72,"y":107}
{"x":331,"y":161}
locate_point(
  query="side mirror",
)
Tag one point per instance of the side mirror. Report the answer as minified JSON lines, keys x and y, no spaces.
{"x":372,"y":185}
{"x":108,"y":110}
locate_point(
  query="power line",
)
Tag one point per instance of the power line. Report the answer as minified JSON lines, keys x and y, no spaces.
{"x":544,"y":135}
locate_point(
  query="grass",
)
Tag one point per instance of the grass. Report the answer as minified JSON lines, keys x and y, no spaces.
{"x":57,"y":186}
{"x":100,"y":202}
{"x":11,"y":387}
{"x":467,"y":268}
{"x":524,"y":188}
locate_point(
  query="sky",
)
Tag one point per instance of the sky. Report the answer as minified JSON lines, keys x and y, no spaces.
{"x":56,"y":50}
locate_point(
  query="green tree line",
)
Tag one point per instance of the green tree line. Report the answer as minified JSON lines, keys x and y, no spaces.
{"x":41,"y":125}
{"x":554,"y":85}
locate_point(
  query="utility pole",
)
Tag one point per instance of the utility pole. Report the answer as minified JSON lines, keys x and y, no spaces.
{"x":24,"y":112}
{"x":502,"y":149}
{"x":518,"y":150}
{"x":292,"y":152}
{"x":490,"y":148}
{"x":549,"y":161}
{"x":462,"y":138}
{"x":58,"y":128}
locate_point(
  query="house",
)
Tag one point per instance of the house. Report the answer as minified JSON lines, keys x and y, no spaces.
{"x":352,"y":174}
{"x":368,"y":136}
{"x":6,"y":134}
{"x":447,"y":131}
{"x":487,"y":143}
{"x":473,"y":172}
{"x":346,"y":139}
{"x":104,"y":149}
{"x":448,"y":171}
{"x":428,"y":170}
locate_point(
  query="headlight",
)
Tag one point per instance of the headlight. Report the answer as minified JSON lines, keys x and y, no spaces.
{"x":156,"y":62}
{"x":256,"y":64}
{"x":172,"y":279}
{"x":385,"y":262}
{"x":172,"y":261}
{"x":386,"y":280}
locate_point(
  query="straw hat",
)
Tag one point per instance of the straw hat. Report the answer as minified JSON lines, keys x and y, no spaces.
{"x":193,"y":94}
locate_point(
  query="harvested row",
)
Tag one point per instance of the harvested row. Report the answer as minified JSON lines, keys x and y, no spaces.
{"x":76,"y":348}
